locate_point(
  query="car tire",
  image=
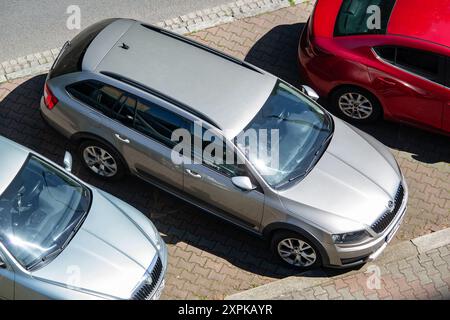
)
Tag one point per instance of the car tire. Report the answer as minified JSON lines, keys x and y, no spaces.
{"x":304,"y":255}
{"x":356,"y":105}
{"x":100,"y":159}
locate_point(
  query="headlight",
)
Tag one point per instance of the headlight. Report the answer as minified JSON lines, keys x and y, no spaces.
{"x":350,"y":237}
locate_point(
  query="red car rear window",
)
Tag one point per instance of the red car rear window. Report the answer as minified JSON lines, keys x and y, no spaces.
{"x":357,"y":17}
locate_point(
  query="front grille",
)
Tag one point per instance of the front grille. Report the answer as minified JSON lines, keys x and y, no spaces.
{"x":148,"y":287}
{"x":385,"y":220}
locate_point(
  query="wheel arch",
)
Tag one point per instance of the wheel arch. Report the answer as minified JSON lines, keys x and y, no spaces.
{"x":275,"y":227}
{"x":356,"y":86}
{"x":78,"y":138}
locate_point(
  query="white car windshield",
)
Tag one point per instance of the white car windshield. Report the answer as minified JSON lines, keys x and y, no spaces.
{"x":303,"y":130}
{"x":39,"y":213}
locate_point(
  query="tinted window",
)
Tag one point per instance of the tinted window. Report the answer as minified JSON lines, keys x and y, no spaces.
{"x":71,"y":57}
{"x":447,"y":83}
{"x":157,"y":122}
{"x":422,"y":63}
{"x":353,"y":17}
{"x":387,"y":53}
{"x":125,"y":110}
{"x":219,"y":162}
{"x":100,"y":96}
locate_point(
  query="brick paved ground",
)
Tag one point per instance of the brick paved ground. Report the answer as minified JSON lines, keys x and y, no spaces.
{"x":426,"y":276}
{"x":209,"y":258}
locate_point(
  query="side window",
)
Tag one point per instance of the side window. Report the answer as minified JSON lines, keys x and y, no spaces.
{"x":447,"y":84}
{"x":419,"y":62}
{"x":230,"y":170}
{"x":386,"y":53}
{"x":99,"y":96}
{"x":157,"y":122}
{"x":233,"y":169}
{"x":425,"y":64}
{"x":125,"y":110}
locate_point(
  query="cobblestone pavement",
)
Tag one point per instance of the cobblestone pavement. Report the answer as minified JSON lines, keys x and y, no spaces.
{"x":208,"y":257}
{"x":426,"y":276}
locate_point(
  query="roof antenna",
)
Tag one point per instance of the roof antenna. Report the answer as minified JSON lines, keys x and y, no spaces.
{"x":125,"y":46}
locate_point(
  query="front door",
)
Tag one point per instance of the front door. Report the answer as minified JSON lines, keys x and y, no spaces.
{"x":210,"y":183}
{"x":144,"y":139}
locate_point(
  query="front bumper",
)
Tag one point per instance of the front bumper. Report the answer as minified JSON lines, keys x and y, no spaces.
{"x":346,"y":256}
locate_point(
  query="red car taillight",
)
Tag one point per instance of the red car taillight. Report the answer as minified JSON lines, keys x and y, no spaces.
{"x":49,"y":98}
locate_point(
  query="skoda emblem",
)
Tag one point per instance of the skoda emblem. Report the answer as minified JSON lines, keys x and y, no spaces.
{"x":391,"y":205}
{"x":149,"y":281}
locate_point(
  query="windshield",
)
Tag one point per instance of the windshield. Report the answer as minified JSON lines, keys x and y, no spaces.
{"x":39,"y":212}
{"x":297,"y":130}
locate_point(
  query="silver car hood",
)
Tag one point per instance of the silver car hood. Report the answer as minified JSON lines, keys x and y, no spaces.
{"x":108,"y":256}
{"x":355,"y":179}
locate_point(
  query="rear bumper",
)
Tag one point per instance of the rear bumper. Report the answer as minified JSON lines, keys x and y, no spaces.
{"x":52,"y":118}
{"x":350,"y":256}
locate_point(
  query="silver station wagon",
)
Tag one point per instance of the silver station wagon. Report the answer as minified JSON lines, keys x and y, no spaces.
{"x":63,"y":239}
{"x":121,"y":89}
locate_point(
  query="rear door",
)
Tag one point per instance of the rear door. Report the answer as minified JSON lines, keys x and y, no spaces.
{"x":145,"y":140}
{"x":95,"y":113}
{"x":411,"y":84}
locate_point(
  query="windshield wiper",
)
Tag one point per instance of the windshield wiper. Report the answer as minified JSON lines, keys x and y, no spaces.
{"x":44,"y":258}
{"x":74,"y":230}
{"x":314,"y":160}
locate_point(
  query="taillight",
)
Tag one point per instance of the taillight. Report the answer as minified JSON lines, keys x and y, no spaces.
{"x":49,"y":98}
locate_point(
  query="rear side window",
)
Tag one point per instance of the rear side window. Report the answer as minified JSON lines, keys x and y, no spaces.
{"x":354,"y":17}
{"x":448,"y":73}
{"x":99,"y":96}
{"x":157,"y":122}
{"x":71,"y":57}
{"x":425,"y":64}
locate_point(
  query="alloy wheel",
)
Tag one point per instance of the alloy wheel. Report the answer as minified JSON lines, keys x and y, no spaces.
{"x":100,"y":161}
{"x":355,"y":106}
{"x":297,"y":252}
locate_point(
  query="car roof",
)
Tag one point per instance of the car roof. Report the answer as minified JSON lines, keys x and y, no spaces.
{"x":429,"y":20}
{"x":225,"y":90}
{"x":12,"y":158}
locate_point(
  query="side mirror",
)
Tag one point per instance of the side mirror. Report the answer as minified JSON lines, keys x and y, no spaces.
{"x":243,"y":183}
{"x":68,"y":161}
{"x":2,"y":264}
{"x":310,"y":92}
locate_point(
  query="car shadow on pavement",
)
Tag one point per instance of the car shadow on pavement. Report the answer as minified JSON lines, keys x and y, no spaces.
{"x":277,"y":52}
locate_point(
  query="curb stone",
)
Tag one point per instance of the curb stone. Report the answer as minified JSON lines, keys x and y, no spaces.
{"x":41,"y":62}
{"x":311,"y":279}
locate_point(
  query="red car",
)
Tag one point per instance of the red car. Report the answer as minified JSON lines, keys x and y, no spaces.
{"x":381,"y":58}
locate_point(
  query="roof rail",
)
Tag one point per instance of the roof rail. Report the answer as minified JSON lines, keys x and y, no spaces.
{"x":160,"y":95}
{"x":201,"y":46}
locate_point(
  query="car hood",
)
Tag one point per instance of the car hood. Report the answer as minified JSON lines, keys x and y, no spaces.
{"x":355,"y":179}
{"x":108,"y":256}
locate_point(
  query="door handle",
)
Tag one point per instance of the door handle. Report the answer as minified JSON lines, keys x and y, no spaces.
{"x":193,"y":174}
{"x":387,"y":81}
{"x":124,"y":140}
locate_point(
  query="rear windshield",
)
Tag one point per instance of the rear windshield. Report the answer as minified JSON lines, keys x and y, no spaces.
{"x":357,"y":17}
{"x":71,"y":58}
